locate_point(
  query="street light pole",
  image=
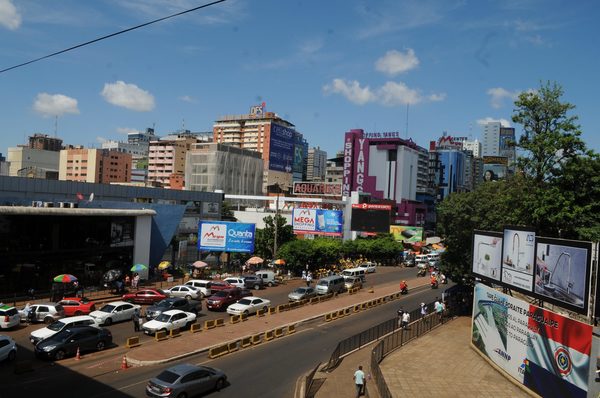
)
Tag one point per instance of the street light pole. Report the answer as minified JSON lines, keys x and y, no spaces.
{"x":275,"y":222}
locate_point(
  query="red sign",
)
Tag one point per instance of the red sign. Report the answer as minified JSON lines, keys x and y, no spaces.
{"x":317,"y":188}
{"x":371,"y":206}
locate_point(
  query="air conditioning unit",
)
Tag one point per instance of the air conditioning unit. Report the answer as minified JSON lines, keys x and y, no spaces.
{"x":74,"y":205}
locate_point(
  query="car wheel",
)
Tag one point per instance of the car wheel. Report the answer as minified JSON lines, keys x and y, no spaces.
{"x":60,"y":354}
{"x":257,"y":287}
{"x":265,"y":309}
{"x":270,"y":284}
{"x":48,"y":320}
{"x":188,"y":297}
{"x":12,"y":355}
{"x":182,"y":395}
{"x":246,"y":313}
{"x":101,"y":345}
{"x":77,"y":313}
{"x":108,"y":322}
{"x":219,"y":384}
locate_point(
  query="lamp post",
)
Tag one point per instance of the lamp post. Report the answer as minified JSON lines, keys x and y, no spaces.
{"x":275,"y":222}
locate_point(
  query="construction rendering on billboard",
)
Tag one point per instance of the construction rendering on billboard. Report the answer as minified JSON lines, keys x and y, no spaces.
{"x":403,"y":233}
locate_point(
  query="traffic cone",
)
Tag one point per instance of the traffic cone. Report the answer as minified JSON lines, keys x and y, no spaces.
{"x":77,"y":356}
{"x":124,"y":363}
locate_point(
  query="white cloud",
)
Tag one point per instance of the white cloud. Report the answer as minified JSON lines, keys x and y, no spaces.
{"x":311,"y":46}
{"x":101,"y":140}
{"x":9,"y":15}
{"x":128,"y":96}
{"x":49,"y":105}
{"x":395,"y":62}
{"x":486,"y":120}
{"x":127,"y":130}
{"x":188,"y":98}
{"x":390,"y":94}
{"x":498,"y":94}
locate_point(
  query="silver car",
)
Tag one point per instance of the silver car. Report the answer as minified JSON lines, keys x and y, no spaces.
{"x":185,"y":380}
{"x":302,"y":293}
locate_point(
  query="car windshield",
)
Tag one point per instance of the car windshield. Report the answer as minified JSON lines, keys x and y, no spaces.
{"x":62,"y":336}
{"x":164,"y":304}
{"x":220,"y":293}
{"x":322,"y":283}
{"x":163,"y":318}
{"x":107,"y":308}
{"x":168,"y":377}
{"x":300,"y":290}
{"x":244,"y":302}
{"x":56,"y":326}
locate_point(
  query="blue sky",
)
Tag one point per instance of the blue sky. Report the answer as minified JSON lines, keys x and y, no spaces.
{"x":327,"y":66}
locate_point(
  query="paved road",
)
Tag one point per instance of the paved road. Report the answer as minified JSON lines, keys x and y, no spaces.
{"x":267,"y":370}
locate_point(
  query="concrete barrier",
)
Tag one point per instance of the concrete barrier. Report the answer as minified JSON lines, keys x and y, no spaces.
{"x":347,"y":310}
{"x":133,"y":342}
{"x":341,"y":313}
{"x":244,"y":317}
{"x":363,"y":306}
{"x":278,"y":332}
{"x":261,"y":312}
{"x":174,"y":333}
{"x":233,"y":346}
{"x":210,"y":324}
{"x":334,"y":315}
{"x":220,"y":322}
{"x":235,"y":319}
{"x":246,"y":342}
{"x":282,"y":307}
{"x":272,"y":310}
{"x":160,"y":336}
{"x":291,"y":329}
{"x":196,"y":327}
{"x":269,"y":335}
{"x":328,"y":318}
{"x":256,"y":339}
{"x":215,"y":352}
{"x":357,"y":308}
{"x":314,"y":300}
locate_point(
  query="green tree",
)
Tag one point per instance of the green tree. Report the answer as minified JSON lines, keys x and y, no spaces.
{"x":265,"y":238}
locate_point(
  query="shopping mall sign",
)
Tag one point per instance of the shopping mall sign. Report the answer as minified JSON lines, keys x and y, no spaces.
{"x":317,"y":188}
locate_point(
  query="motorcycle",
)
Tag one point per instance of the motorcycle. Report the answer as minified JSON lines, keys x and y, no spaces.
{"x":434,"y":284}
{"x":421,"y":272}
{"x":404,"y":290}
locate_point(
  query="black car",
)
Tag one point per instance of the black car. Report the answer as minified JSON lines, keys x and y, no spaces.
{"x":253,"y":282}
{"x":67,"y":341}
{"x":174,"y":303}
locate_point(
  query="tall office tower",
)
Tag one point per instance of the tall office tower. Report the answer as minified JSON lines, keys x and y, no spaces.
{"x":491,"y":139}
{"x":316,"y":164}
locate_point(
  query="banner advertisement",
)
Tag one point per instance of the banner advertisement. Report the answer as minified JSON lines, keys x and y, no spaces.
{"x":518,"y":258}
{"x":546,"y":352}
{"x":318,"y":222}
{"x":403,"y":233}
{"x":226,"y":236}
{"x":281,"y":154}
{"x":487,"y":254}
{"x":562,"y":272}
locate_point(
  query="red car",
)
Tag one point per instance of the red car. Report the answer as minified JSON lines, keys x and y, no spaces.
{"x":215,"y":286}
{"x":77,"y":306}
{"x":223,"y":298}
{"x":145,"y":296}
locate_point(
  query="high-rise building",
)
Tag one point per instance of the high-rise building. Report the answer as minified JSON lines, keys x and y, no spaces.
{"x":473,"y":146}
{"x":236,"y":171}
{"x":491,"y":139}
{"x":507,"y":147}
{"x":101,"y":166}
{"x":334,"y":169}
{"x":265,"y":132}
{"x":316,"y":164}
{"x":166,"y":159}
{"x":452,"y":163}
{"x":44,"y":142}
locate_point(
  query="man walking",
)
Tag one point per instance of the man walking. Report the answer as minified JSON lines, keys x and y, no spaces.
{"x":359,"y":381}
{"x":439,"y":308}
{"x":405,"y":320}
{"x":136,"y":320}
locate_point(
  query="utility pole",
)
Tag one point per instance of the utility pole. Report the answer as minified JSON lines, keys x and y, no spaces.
{"x":275,"y":222}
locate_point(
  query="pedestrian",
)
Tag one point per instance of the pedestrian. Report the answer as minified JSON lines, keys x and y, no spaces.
{"x":400,"y":313}
{"x":135,"y":281}
{"x":308,"y":278}
{"x":31,"y":293}
{"x":136,"y":320}
{"x":423,"y":310}
{"x":303,"y":275}
{"x":405,"y":320}
{"x":439,"y":309}
{"x":127,"y":280}
{"x":359,"y":381}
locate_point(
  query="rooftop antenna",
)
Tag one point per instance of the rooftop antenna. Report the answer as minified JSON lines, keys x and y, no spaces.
{"x":55,"y":126}
{"x":183,"y":124}
{"x":406,"y":132}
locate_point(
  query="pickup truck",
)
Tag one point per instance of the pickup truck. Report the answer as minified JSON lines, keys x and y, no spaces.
{"x":173,"y":303}
{"x":224,"y":298}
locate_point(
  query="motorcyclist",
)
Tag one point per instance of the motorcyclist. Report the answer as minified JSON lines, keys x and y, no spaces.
{"x":403,"y":287}
{"x":443,"y":279}
{"x":434,"y":281}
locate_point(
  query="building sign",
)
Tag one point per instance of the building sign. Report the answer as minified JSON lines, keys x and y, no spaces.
{"x":546,"y":352}
{"x":390,"y":134}
{"x":281,"y":152}
{"x":372,"y":206}
{"x":318,"y":222}
{"x":406,"y":234}
{"x":348,"y":155}
{"x":361,"y":165}
{"x":226,"y":236}
{"x":317,"y":188}
{"x":495,"y":160}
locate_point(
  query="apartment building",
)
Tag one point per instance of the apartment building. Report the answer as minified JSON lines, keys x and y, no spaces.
{"x":94,"y":165}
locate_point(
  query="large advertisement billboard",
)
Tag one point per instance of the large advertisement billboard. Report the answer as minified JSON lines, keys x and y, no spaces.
{"x":226,"y":236}
{"x":371,"y":218}
{"x":546,"y":352}
{"x":562,"y":274}
{"x":487,"y":254}
{"x":318,"y":222}
{"x":403,"y":233}
{"x":518,"y":258}
{"x":281,"y":149}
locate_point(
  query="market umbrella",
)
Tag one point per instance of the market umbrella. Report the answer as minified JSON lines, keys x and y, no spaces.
{"x":112,"y":275}
{"x":139,"y":267}
{"x":199,"y":264}
{"x":164,"y":265}
{"x":64,"y":278}
{"x":279,"y":262}
{"x":254,"y":260}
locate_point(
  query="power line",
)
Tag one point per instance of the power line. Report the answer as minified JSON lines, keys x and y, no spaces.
{"x":112,"y":34}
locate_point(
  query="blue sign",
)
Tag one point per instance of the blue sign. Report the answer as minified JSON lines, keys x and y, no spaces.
{"x":281,"y":152}
{"x":318,"y":222}
{"x":226,"y":236}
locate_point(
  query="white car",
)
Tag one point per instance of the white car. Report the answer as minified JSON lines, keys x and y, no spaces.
{"x":189,"y":292}
{"x":115,"y":311}
{"x":201,"y":284}
{"x":368,"y":267}
{"x":237,"y":282}
{"x":8,"y":348}
{"x":168,"y":320}
{"x":56,"y":326}
{"x":248,"y":305}
{"x":9,"y":316}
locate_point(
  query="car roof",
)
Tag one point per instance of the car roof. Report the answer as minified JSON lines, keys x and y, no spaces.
{"x":6,"y":307}
{"x":75,"y":318}
{"x":49,"y":304}
{"x":185,"y":368}
{"x":198,"y":280}
{"x":117,"y":303}
{"x":172,"y":312}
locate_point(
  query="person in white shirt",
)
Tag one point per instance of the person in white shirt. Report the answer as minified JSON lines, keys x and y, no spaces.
{"x":359,"y":380}
{"x":405,"y":320}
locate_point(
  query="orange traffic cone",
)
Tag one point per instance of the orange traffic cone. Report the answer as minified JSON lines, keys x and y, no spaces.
{"x":77,"y":356}
{"x":124,"y":363}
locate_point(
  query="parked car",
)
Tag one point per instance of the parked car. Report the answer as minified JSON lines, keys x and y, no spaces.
{"x":115,"y":311}
{"x":145,"y":296}
{"x":237,"y":282}
{"x":69,"y":340}
{"x":253,"y":282}
{"x":43,"y":312}
{"x":189,"y":292}
{"x":9,"y":317}
{"x":350,"y":282}
{"x":269,"y":277}
{"x":167,"y":304}
{"x":302,"y":293}
{"x":82,"y":320}
{"x":168,"y":320}
{"x":215,"y":286}
{"x":202,"y":284}
{"x":8,"y":348}
{"x":224,"y":298}
{"x":74,"y":306}
{"x":185,"y":380}
{"x":248,"y":305}
{"x":368,"y":267}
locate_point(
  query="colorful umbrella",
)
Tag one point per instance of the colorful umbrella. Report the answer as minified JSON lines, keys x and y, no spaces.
{"x":255,"y":260}
{"x":199,"y":264}
{"x":279,"y":262}
{"x":164,"y":265}
{"x":65,"y":278}
{"x":139,"y":267}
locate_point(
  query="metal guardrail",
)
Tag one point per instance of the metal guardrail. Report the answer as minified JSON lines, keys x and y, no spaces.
{"x":309,"y":381}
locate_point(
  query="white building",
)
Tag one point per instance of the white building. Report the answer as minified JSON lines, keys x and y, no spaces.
{"x":491,"y":139}
{"x":473,"y":146}
{"x":36,"y":163}
{"x":316,"y":164}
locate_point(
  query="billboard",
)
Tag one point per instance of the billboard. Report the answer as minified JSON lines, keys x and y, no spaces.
{"x":226,"y":236}
{"x":487,"y":254}
{"x":562,"y":273}
{"x":318,"y":222}
{"x":370,"y":218}
{"x":546,"y":352}
{"x":281,"y":152}
{"x":403,"y":233}
{"x":518,"y":258}
{"x":317,"y":188}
